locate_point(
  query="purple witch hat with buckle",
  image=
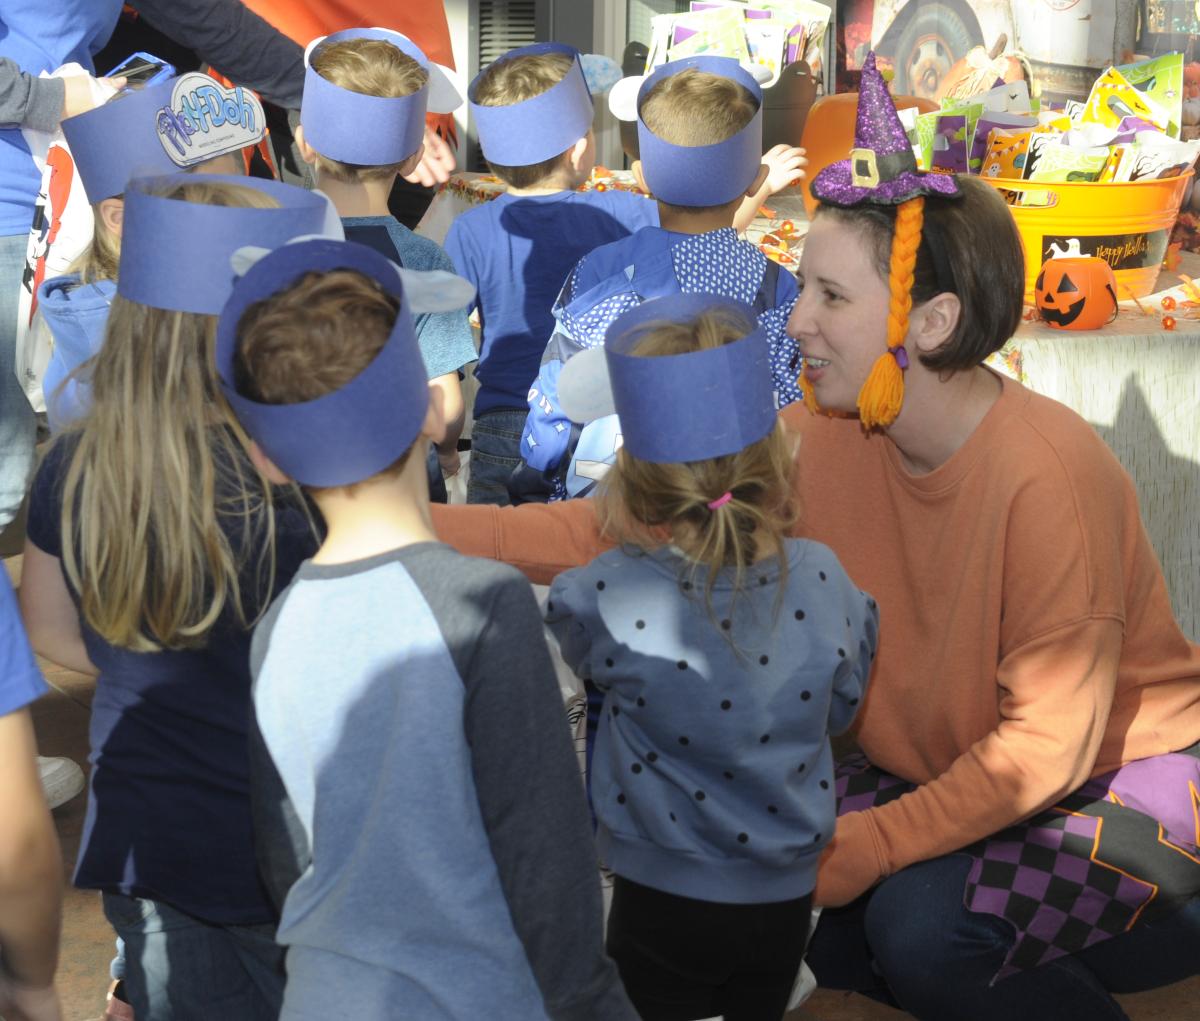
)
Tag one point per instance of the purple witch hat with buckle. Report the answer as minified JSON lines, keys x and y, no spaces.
{"x":538,"y":128}
{"x":349,"y":434}
{"x":882,"y":171}
{"x":371,"y":131}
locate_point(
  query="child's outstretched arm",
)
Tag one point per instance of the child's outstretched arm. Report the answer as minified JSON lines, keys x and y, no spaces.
{"x":785,"y":166}
{"x":532,"y":801}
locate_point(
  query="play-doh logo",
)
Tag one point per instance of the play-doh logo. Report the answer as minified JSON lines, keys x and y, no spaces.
{"x":205,"y":120}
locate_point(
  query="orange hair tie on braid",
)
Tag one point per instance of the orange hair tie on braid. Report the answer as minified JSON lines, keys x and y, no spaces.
{"x":882,"y":395}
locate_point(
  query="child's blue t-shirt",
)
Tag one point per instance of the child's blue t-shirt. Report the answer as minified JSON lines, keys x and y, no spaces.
{"x":712,"y":776}
{"x":20,"y":680}
{"x":444,"y":337}
{"x":169,"y":813}
{"x":517,"y":250}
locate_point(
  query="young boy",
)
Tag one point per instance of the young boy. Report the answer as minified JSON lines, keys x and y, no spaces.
{"x":404,"y":693}
{"x":700,"y":136}
{"x":533,"y":113}
{"x":362,"y":123}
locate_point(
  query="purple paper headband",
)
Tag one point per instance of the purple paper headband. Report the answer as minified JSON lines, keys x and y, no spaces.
{"x":370,"y":131}
{"x":701,"y":175}
{"x":675,"y":408}
{"x":538,"y":128}
{"x":352,"y":433}
{"x":159,"y":130}
{"x":175,"y":254}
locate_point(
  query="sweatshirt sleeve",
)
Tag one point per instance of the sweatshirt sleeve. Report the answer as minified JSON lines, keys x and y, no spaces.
{"x":27,"y":101}
{"x":533,"y":807}
{"x":1055,"y":692}
{"x":540,"y":540}
{"x":235,"y":41}
{"x":850,"y":678}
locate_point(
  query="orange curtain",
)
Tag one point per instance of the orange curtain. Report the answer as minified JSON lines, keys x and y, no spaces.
{"x":423,"y":21}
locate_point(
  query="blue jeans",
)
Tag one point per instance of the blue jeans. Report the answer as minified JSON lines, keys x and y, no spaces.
{"x":178,"y":968}
{"x":495,"y":453}
{"x":18,"y":425}
{"x":910,"y":942}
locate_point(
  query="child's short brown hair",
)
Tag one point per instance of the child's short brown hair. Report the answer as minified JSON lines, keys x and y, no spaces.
{"x":696,"y":108}
{"x":312,"y":338}
{"x":506,"y":82}
{"x":372,"y":67}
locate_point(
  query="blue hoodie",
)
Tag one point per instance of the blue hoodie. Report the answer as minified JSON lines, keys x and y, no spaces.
{"x":76,"y":314}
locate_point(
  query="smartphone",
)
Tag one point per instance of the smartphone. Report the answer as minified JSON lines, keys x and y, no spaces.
{"x":142,"y":69}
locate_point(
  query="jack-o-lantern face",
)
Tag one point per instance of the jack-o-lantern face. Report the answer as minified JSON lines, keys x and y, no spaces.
{"x":1076,"y":293}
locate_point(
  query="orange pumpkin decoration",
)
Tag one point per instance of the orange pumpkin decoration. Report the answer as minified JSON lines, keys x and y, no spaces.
{"x":1078,"y":293}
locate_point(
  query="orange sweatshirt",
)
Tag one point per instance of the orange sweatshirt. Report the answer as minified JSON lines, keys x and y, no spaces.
{"x":1026,"y":635}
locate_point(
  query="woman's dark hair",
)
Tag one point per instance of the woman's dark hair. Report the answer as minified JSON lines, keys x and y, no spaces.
{"x":979,"y":255}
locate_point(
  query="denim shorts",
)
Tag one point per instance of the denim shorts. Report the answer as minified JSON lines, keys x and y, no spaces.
{"x":495,"y":453}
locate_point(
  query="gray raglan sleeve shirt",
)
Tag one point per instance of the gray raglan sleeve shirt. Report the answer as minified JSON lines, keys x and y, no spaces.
{"x":27,"y":101}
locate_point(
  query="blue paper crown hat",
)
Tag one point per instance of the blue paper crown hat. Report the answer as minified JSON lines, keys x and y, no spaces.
{"x":538,"y":128}
{"x":160,"y":129}
{"x":175,"y":254}
{"x":675,"y":408}
{"x":371,"y":131}
{"x":352,"y":433}
{"x":699,"y":175}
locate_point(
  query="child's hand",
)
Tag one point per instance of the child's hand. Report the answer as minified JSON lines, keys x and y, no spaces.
{"x":450,"y":463}
{"x":785,"y":167}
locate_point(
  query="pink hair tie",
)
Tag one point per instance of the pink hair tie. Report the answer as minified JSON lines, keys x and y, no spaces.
{"x":720,"y":501}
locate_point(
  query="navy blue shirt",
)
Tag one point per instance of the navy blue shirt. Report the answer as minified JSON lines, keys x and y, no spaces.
{"x":517,"y":251}
{"x":168,"y":816}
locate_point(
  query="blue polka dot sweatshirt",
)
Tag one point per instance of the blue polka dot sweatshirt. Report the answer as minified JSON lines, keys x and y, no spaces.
{"x":712,"y":776}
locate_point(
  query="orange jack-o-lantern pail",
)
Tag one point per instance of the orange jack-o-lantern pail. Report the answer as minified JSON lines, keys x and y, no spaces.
{"x":1076,"y":293}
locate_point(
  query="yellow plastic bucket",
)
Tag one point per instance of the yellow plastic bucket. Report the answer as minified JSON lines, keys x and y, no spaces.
{"x":1128,"y":224}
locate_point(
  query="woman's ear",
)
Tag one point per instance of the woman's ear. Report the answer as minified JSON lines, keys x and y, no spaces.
{"x":434,"y":426}
{"x":112,"y":215}
{"x":264,"y":464}
{"x":307,"y":152}
{"x":933,"y":322}
{"x":636,"y":170}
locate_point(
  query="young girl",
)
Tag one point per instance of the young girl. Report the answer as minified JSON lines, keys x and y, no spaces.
{"x":728,"y":652}
{"x":110,"y":144}
{"x":147,"y":562}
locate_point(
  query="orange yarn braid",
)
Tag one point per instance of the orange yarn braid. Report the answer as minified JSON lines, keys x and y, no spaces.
{"x":882,"y":395}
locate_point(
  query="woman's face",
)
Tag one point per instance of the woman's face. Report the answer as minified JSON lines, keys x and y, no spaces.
{"x":840,"y":318}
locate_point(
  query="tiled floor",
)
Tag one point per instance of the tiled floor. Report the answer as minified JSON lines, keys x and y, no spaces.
{"x":61,"y":720}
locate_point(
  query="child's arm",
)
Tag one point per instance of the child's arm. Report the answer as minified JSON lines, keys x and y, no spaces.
{"x":532,"y":802}
{"x":785,"y":166}
{"x":850,"y":678}
{"x":30,"y":878}
{"x":51,"y":617}
{"x":455,"y":412}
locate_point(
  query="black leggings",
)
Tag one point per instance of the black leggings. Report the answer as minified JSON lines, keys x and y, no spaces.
{"x":684,"y":959}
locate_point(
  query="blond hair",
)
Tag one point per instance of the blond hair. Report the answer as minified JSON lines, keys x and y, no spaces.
{"x":372,"y":67}
{"x":695,"y":108}
{"x":312,"y":338}
{"x":513,"y":80}
{"x":638,"y":499}
{"x":157,"y":465}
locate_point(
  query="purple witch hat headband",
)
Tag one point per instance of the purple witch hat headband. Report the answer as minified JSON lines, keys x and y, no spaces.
{"x":701,"y":175}
{"x":656,"y":398}
{"x":159,"y":130}
{"x":882,"y":171}
{"x":371,"y":131}
{"x":538,"y":128}
{"x":355,"y":432}
{"x":175,"y":254}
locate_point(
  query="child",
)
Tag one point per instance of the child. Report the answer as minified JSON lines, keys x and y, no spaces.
{"x":533,"y":113}
{"x":30,"y":864}
{"x":361,"y":125}
{"x":700,"y":136}
{"x":450,"y":870}
{"x":152,"y":547}
{"x":728,"y":654}
{"x":110,"y":145}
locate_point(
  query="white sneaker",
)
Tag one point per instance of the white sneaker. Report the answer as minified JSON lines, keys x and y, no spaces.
{"x":62,"y":779}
